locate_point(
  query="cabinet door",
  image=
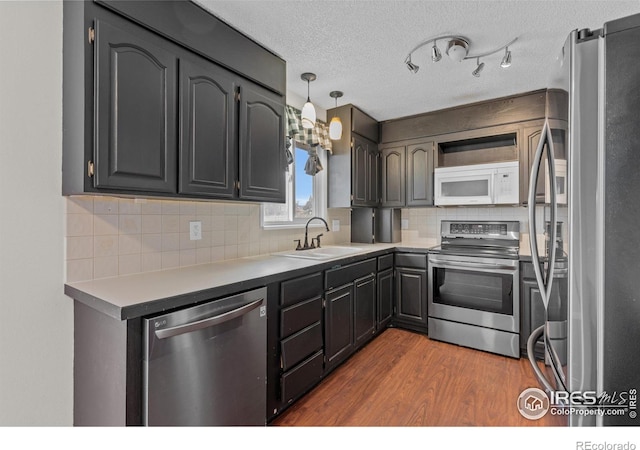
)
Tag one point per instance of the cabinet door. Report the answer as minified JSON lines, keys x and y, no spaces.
{"x":393,"y":176}
{"x":208,"y":133}
{"x":533,"y":315}
{"x":360,"y":187}
{"x":420,"y":164}
{"x":135,"y":111}
{"x":364,"y":290}
{"x":262,"y":164}
{"x":411,"y":290}
{"x":531,"y":137}
{"x":385,"y":297}
{"x":373,"y":175}
{"x":338,"y":325}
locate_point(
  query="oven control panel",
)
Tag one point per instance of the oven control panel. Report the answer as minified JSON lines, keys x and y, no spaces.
{"x":478,"y":229}
{"x":487,"y":229}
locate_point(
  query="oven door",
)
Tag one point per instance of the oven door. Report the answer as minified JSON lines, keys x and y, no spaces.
{"x":474,"y":290}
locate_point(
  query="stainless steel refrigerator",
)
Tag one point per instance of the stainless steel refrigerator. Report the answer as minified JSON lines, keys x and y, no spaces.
{"x":592,"y":333}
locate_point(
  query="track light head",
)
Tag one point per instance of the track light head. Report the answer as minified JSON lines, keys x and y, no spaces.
{"x":435,"y":53}
{"x":413,"y":68}
{"x":476,"y":72}
{"x":506,"y":60}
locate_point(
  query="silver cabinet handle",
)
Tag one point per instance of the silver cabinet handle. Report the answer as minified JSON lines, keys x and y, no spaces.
{"x":208,"y":322}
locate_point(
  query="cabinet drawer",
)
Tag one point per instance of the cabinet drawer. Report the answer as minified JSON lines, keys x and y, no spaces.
{"x":292,"y":291}
{"x":302,"y":377}
{"x":411,"y":260}
{"x":295,"y":318}
{"x":346,"y":274}
{"x":385,"y":262}
{"x":297,"y":347}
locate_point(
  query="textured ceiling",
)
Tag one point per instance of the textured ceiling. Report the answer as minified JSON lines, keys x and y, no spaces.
{"x":359,"y":46}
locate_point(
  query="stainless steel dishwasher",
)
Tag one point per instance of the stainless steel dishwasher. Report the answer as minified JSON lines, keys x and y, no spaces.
{"x":206,"y":365}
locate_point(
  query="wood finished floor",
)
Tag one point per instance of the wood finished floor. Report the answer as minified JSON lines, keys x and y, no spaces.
{"x":405,"y":379}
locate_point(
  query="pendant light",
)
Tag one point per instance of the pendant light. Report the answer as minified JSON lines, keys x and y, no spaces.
{"x":335,"y":126}
{"x":308,"y":114}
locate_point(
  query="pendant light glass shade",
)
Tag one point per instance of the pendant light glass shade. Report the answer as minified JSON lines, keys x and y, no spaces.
{"x":308,"y":115}
{"x":335,"y":126}
{"x":335,"y":129}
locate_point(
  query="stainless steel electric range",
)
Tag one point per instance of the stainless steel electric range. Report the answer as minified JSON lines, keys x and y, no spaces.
{"x":473,"y":290}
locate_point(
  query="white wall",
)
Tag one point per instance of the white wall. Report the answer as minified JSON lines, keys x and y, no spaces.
{"x":36,"y":318}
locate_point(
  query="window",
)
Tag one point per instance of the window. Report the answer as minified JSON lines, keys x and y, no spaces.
{"x":306,"y":194}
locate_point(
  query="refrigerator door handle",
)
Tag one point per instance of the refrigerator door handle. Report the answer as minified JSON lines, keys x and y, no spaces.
{"x":553,"y":197}
{"x":533,"y":240}
{"x":531,"y":342}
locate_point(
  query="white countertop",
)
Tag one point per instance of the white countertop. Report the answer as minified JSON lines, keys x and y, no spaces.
{"x":114,"y":295}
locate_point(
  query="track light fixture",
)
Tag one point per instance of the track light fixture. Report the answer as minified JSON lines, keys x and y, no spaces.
{"x":335,"y":126}
{"x":506,"y":60}
{"x":435,"y":53}
{"x":458,"y":49}
{"x":411,"y":66}
{"x":308,"y":113}
{"x":476,"y":73}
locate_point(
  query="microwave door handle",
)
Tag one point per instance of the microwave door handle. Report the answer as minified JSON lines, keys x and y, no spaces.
{"x":533,"y":240}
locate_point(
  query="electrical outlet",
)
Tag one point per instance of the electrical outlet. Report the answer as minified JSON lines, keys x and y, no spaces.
{"x":335,"y":225}
{"x":195,"y":230}
{"x":404,"y":224}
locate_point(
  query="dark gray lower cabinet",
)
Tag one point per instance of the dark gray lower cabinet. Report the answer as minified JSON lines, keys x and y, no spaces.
{"x":411,"y":291}
{"x":338,"y":325}
{"x":364,"y":290}
{"x":350,"y":309}
{"x":385,"y":291}
{"x":135,"y":133}
{"x":300,"y":342}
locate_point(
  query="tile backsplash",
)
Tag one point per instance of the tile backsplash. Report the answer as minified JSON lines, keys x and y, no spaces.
{"x":109,"y":236}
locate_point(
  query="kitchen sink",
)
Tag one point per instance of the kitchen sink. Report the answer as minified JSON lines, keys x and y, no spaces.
{"x":321,"y":253}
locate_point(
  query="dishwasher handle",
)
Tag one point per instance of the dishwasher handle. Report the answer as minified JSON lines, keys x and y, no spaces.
{"x":208,"y":322}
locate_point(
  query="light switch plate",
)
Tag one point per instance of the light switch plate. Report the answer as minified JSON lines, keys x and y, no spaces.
{"x":195,"y":230}
{"x":404,"y":224}
{"x":335,"y":225}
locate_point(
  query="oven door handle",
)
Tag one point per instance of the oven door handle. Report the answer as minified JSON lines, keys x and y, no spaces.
{"x":458,"y":264}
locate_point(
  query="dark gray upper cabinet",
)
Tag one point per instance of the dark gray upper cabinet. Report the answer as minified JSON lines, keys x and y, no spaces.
{"x":420,"y":165}
{"x":135,"y":146}
{"x":208,"y":129}
{"x":147,"y":110}
{"x":354,"y":174}
{"x":364,"y":172}
{"x":393,"y":176}
{"x":262,"y":164}
{"x":407,"y":175}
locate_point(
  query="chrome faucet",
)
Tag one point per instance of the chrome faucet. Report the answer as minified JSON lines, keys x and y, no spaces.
{"x":306,"y":245}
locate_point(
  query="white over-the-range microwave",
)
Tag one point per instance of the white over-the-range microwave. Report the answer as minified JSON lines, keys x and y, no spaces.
{"x":478,"y":184}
